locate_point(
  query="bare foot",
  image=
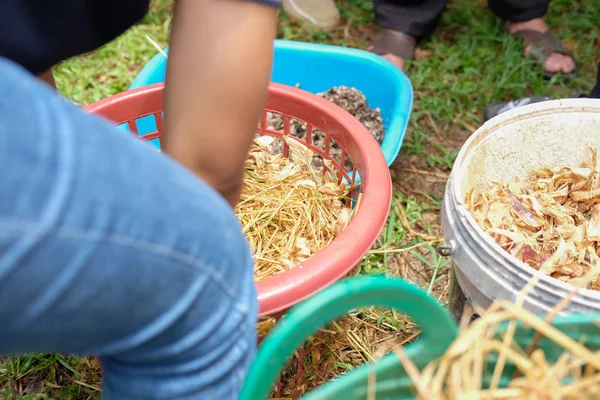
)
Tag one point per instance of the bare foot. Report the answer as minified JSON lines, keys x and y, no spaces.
{"x":394,"y":59}
{"x":397,"y":61}
{"x":555,"y":62}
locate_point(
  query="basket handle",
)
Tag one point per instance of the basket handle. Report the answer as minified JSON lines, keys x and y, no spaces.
{"x":304,"y":320}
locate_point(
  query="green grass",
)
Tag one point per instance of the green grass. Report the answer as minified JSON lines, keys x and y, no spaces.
{"x":48,"y":376}
{"x":112,"y":68}
{"x":471,"y":61}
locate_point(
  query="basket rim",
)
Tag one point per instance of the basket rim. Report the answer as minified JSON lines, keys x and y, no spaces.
{"x":398,"y":82}
{"x":336,"y":260}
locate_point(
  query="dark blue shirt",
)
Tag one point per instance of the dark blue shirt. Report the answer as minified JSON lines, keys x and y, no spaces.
{"x":40,"y":33}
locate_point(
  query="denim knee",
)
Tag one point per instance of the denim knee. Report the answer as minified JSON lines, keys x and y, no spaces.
{"x":133,"y":259}
{"x":204,"y":352}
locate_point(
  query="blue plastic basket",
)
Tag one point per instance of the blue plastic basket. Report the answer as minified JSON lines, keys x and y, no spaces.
{"x":317,"y":68}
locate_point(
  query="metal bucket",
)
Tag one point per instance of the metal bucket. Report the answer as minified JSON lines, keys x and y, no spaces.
{"x":555,"y":134}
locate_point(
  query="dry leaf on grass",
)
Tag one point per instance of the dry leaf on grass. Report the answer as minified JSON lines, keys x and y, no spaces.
{"x":570,"y":44}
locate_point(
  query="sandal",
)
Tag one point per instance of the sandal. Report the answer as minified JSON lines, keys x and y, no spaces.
{"x":500,"y":107}
{"x":494,"y":109}
{"x":542,"y":46}
{"x":396,"y":43}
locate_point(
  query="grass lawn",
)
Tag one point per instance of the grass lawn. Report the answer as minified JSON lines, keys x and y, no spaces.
{"x":470,"y":61}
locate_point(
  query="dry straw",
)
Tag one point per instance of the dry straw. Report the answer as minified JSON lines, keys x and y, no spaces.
{"x":157,"y":47}
{"x":288,"y":210}
{"x":462,"y":372}
{"x":555,"y":213}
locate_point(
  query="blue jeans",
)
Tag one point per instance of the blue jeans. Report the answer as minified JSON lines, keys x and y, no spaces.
{"x":110,"y":248}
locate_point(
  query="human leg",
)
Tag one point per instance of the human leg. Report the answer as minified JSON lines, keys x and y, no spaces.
{"x":109,"y":248}
{"x":525,"y":19}
{"x":404,"y":22}
{"x":48,"y":78}
{"x":519,"y":10}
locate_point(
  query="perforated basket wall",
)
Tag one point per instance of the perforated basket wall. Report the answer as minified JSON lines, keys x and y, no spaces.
{"x":332,"y":134}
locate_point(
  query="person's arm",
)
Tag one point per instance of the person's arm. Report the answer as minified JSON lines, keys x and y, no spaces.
{"x":219,"y":68}
{"x":48,"y":77}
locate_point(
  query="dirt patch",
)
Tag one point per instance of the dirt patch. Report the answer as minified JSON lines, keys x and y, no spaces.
{"x":77,"y":379}
{"x":340,"y":347}
{"x":415,"y":178}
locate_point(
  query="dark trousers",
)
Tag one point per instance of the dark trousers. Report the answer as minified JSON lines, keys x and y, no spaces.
{"x":419,"y":18}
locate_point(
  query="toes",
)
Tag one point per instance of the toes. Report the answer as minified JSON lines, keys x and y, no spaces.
{"x":553,"y":63}
{"x":397,"y":61}
{"x":568,"y":64}
{"x":559,"y":63}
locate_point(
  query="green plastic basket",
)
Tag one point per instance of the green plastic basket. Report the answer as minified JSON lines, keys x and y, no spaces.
{"x":392,"y":382}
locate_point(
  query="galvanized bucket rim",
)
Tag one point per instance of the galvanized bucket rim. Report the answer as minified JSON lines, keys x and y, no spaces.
{"x":484,"y":133}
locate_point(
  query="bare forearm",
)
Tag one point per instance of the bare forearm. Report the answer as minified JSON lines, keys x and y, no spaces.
{"x":48,"y":77}
{"x":219,"y":68}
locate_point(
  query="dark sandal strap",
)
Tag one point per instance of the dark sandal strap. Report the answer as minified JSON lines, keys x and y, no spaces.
{"x":396,"y":43}
{"x":543,"y":44}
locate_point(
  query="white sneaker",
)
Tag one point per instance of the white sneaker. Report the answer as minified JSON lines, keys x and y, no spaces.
{"x":322,"y":14}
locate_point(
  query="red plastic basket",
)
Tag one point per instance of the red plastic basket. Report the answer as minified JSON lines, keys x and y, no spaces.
{"x":332,"y":263}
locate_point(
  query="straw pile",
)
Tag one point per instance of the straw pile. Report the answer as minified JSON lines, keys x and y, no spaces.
{"x":551,"y":222}
{"x":474,"y":365}
{"x":288,"y":210}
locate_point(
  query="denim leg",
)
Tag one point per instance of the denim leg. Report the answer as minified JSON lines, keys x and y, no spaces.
{"x":109,"y":248}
